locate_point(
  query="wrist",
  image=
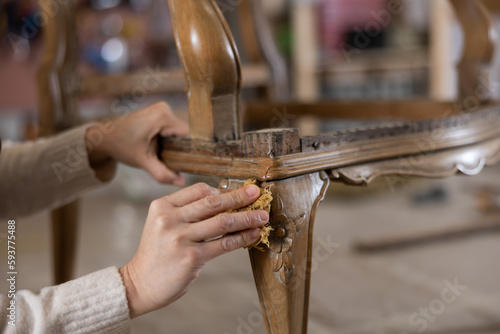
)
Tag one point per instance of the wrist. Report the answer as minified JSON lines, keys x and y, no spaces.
{"x":99,"y":154}
{"x":131,"y":292}
{"x":97,"y":146}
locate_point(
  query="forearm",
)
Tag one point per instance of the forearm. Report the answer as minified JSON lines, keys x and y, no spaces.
{"x":95,"y":303}
{"x":48,"y":173}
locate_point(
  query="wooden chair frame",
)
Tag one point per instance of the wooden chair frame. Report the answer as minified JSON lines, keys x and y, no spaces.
{"x":435,"y":140}
{"x":60,"y":86}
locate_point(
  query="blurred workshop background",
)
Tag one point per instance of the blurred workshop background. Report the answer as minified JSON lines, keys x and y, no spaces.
{"x":393,"y":247}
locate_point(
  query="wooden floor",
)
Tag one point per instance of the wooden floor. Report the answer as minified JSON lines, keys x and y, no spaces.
{"x":397,"y":292}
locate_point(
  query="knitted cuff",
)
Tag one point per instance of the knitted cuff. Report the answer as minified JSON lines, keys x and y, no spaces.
{"x":69,"y":161}
{"x":92,"y":304}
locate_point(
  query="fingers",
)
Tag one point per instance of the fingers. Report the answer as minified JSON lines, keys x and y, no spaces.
{"x":170,"y":124}
{"x":156,"y":119}
{"x":161,"y":173}
{"x":226,"y":223}
{"x":229,"y":243}
{"x":176,"y":127}
{"x":212,"y":205}
{"x":191,"y":194}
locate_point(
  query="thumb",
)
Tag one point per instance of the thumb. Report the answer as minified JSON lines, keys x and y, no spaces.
{"x":176,"y":128}
{"x":161,"y":173}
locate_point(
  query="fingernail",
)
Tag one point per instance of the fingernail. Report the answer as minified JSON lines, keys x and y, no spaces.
{"x":263,"y":217}
{"x":252,"y":191}
{"x":179,"y":183}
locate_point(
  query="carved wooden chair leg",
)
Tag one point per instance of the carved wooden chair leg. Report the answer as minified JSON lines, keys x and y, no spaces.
{"x":57,"y":89}
{"x":64,"y":236}
{"x":282,"y":272}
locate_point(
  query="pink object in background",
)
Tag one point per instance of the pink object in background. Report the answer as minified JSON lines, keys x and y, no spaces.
{"x":340,"y":16}
{"x":18,"y":84}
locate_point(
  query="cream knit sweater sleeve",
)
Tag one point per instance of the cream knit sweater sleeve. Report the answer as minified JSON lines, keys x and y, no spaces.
{"x":93,"y":304}
{"x":45,"y":174}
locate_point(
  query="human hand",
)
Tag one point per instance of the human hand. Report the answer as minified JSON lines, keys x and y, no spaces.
{"x":132,"y":140}
{"x":183,"y":231}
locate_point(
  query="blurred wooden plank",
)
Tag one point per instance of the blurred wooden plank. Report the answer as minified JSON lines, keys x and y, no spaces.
{"x":486,"y":224}
{"x":378,"y":60}
{"x":266,"y":113}
{"x":156,"y":81}
{"x":492,"y":5}
{"x":305,"y":56}
{"x":443,"y":74}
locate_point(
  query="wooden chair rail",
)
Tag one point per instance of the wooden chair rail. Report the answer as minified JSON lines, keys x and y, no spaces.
{"x":234,"y":159}
{"x":468,"y":160}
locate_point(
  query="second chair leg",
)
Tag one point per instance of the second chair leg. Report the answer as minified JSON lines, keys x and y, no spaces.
{"x":64,"y":232}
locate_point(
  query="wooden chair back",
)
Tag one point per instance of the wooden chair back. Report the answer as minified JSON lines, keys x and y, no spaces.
{"x":60,"y":85}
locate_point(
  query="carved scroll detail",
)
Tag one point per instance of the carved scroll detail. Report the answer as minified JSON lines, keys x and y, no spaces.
{"x":281,"y":241}
{"x":468,"y":160}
